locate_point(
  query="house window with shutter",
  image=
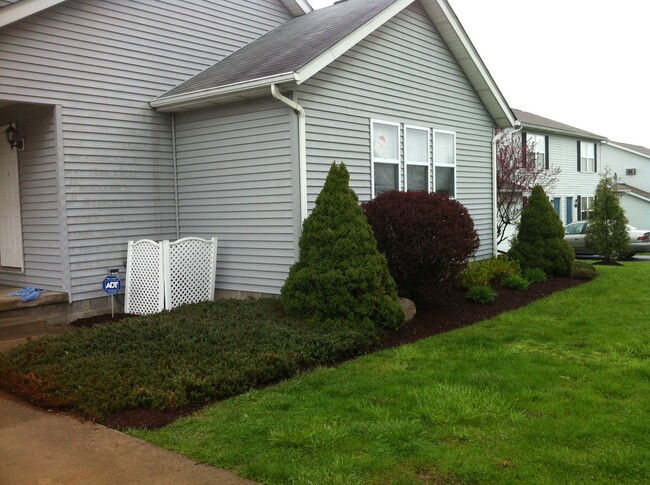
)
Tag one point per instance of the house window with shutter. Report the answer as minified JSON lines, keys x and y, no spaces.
{"x":539,"y":146}
{"x":587,"y":161}
{"x":586,"y":207}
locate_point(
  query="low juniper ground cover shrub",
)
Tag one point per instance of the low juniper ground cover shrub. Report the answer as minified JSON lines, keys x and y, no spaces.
{"x":193,"y":354}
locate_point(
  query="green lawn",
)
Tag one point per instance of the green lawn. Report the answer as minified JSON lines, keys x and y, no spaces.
{"x":557,"y":392}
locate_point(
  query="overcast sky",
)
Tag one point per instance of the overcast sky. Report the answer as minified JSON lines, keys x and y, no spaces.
{"x":581,"y":62}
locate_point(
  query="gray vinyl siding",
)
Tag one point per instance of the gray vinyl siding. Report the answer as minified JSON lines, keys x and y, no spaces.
{"x":235,"y":183}
{"x":619,"y":161}
{"x":39,"y":196}
{"x":103,"y":61}
{"x":637,"y":211}
{"x":563,"y":154}
{"x":402,"y":73}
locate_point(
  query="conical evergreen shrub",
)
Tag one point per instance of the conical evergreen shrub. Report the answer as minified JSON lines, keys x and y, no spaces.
{"x":540,"y":243}
{"x":607,"y":233}
{"x":341,"y":275}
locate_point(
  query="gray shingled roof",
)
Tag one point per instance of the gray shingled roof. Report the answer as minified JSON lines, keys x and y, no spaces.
{"x":633,"y":190}
{"x":530,"y":120}
{"x":288,"y":47}
{"x":635,"y":148}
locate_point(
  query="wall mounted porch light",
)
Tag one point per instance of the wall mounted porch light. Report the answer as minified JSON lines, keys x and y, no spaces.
{"x":11,"y":134}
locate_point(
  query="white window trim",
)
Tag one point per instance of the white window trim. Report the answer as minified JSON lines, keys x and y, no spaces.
{"x":587,"y":165}
{"x":450,"y":165}
{"x":537,"y":148}
{"x":428,"y":163}
{"x":590,"y":206}
{"x":385,"y":160}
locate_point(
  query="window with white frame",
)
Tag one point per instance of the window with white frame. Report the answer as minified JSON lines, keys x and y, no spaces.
{"x":538,"y":145}
{"x":587,"y":157}
{"x":586,"y":207}
{"x":417,"y":159}
{"x":385,"y":156}
{"x":445,"y":162}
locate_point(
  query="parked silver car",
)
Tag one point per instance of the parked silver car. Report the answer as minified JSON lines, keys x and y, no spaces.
{"x":575,"y":233}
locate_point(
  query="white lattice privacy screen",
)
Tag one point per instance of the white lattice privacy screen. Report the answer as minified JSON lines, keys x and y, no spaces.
{"x":187,"y":270}
{"x":144,"y":292}
{"x":190,"y":269}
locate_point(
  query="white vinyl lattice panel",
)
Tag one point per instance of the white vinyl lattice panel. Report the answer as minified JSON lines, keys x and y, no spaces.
{"x":144,"y":278}
{"x":190,"y":270}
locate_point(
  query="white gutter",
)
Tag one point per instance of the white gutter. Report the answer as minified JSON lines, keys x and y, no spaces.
{"x":23,"y":9}
{"x":298,"y":7}
{"x":495,"y":140}
{"x":205,"y":96}
{"x":302,"y":147}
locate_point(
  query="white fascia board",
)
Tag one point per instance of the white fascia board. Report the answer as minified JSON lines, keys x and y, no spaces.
{"x":341,"y":47}
{"x":634,"y":194}
{"x":625,"y":149}
{"x":23,"y":9}
{"x":445,"y":21}
{"x":212,"y":95}
{"x":298,"y":7}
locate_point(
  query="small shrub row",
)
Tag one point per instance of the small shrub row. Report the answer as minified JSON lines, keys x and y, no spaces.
{"x":488,"y":271}
{"x":583,"y":270}
{"x":501,"y":270}
{"x":535,"y":275}
{"x":481,"y":294}
{"x":516,"y":283}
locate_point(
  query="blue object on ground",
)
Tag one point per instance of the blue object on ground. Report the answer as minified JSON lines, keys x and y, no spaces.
{"x":27,"y":294}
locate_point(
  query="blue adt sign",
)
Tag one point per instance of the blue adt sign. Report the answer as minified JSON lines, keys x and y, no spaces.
{"x":112,"y":285}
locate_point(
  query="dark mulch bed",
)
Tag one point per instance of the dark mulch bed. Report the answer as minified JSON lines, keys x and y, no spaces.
{"x":456,"y":312}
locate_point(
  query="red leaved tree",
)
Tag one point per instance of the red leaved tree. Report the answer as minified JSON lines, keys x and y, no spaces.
{"x":519,"y":169}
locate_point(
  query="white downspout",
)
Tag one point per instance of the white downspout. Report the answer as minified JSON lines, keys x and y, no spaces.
{"x":495,"y":140}
{"x":302,"y":147}
{"x":175,"y":168}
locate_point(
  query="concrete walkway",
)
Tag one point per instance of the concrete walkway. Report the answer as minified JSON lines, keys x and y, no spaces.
{"x":47,"y":448}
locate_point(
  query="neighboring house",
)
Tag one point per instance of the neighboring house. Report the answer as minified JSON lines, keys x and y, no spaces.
{"x":630,"y":164}
{"x":393,"y":88}
{"x":576,"y":152}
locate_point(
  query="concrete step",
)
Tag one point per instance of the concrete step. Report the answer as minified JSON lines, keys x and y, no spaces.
{"x":20,"y":327}
{"x":8,"y":303}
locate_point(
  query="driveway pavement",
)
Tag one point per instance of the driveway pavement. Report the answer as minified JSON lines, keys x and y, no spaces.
{"x":47,"y":448}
